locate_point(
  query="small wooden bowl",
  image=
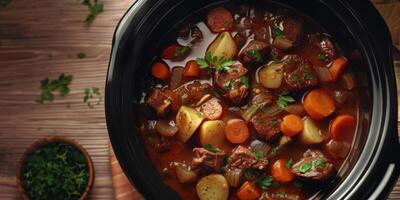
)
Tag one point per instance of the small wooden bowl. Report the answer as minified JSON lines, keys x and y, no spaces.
{"x":40,"y":143}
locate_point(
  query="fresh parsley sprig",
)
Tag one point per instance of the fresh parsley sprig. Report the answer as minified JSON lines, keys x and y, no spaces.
{"x":220,"y":64}
{"x":284,"y":100}
{"x":95,"y":8}
{"x":264,"y":182}
{"x":49,"y":86}
{"x":90,"y":94}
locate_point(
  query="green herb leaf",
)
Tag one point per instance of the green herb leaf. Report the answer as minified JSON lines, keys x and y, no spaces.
{"x":264,"y":182}
{"x":276,"y":32}
{"x":284,"y":100}
{"x":224,"y":66}
{"x":4,"y":3}
{"x":255,"y":54}
{"x":92,"y":96}
{"x":181,"y":51}
{"x":308,"y":77}
{"x":226,"y":23}
{"x":295,"y":78}
{"x":274,"y":151}
{"x":95,"y":8}
{"x":305,"y":167}
{"x":289,"y":163}
{"x":273,"y":122}
{"x":258,"y":155}
{"x":226,"y":160}
{"x":245,"y":81}
{"x":321,"y":56}
{"x":202,"y":62}
{"x":227,"y":85}
{"x":81,"y":55}
{"x":48,"y":87}
{"x":211,"y":148}
{"x":320,"y":163}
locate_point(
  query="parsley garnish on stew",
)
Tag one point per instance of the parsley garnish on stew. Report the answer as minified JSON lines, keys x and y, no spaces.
{"x":321,"y":56}
{"x":245,"y":81}
{"x":227,"y":85}
{"x":320,"y":163}
{"x":211,"y":148}
{"x":289,"y":163}
{"x":255,"y":54}
{"x":4,"y":3}
{"x":95,"y":8}
{"x":48,"y":87}
{"x":276,"y":32}
{"x":221,"y":64}
{"x":56,"y":171}
{"x":264,"y":182}
{"x":274,"y":151}
{"x":181,"y":51}
{"x":305,"y":167}
{"x":284,"y":100}
{"x":258,"y":155}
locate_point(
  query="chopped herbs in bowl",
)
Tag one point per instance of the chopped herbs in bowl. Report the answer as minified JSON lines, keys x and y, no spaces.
{"x":55,"y":168}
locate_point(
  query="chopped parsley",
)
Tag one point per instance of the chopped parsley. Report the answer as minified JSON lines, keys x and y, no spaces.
{"x":227,"y":85}
{"x":258,"y":155}
{"x":276,"y":32}
{"x":305,"y":167}
{"x":226,"y":23}
{"x":321,"y":56}
{"x":211,"y":148}
{"x":245,"y":81}
{"x":56,"y":171}
{"x":308,"y":77}
{"x":272,"y":122}
{"x":95,"y":8}
{"x":264,"y":182}
{"x":89,"y":96}
{"x":181,"y":50}
{"x":48,"y":87}
{"x":320,"y":163}
{"x":261,"y":120}
{"x":295,"y":78}
{"x":4,"y":3}
{"x":284,"y":100}
{"x":274,"y":151}
{"x":81,"y":55}
{"x":219,"y":63}
{"x":289,"y":163}
{"x":202,"y":62}
{"x":255,"y":54}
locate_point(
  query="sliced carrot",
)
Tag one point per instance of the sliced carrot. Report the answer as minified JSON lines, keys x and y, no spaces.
{"x":281,"y":172}
{"x":291,"y":125}
{"x":248,"y":191}
{"x":175,"y":52}
{"x":342,"y":126}
{"x":236,"y":131}
{"x":337,"y":67}
{"x":219,"y":20}
{"x":319,"y":104}
{"x":192,"y":69}
{"x":161,"y":71}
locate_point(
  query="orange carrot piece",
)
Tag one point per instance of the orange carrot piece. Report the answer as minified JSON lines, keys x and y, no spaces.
{"x":161,"y":71}
{"x":280,"y":172}
{"x":319,"y":104}
{"x":248,"y":191}
{"x":236,"y":131}
{"x":342,"y":126}
{"x":337,"y":67}
{"x":192,"y":69}
{"x":291,"y":125}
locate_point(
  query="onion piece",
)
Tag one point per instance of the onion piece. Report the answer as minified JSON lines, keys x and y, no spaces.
{"x":324,"y":75}
{"x":284,"y":140}
{"x":249,"y":112}
{"x":259,"y":147}
{"x":166,"y":128}
{"x":272,"y":111}
{"x":338,"y":149}
{"x":185,"y":174}
{"x":348,"y":81}
{"x":233,"y":176}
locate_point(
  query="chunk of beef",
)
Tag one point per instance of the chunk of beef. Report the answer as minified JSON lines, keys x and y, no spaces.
{"x":240,"y":39}
{"x":298,"y":73}
{"x":324,"y":44}
{"x":207,"y":160}
{"x":293,"y":30}
{"x":314,"y":166}
{"x":242,"y":158}
{"x":277,"y":54}
{"x":233,"y":82}
{"x":254,"y":52}
{"x":159,"y":101}
{"x":265,"y":126}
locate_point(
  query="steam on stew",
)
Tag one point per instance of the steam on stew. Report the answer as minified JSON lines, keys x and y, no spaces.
{"x":248,"y":104}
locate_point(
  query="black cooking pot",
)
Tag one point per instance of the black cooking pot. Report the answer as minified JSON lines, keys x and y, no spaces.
{"x":372,"y":167}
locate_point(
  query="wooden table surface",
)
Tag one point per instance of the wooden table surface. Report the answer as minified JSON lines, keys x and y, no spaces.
{"x":40,"y":39}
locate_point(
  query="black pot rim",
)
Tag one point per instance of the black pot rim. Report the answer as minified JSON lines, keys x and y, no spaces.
{"x":384,"y":170}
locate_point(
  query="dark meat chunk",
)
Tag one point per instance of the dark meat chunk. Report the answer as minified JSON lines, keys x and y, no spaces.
{"x":184,"y":31}
{"x":207,"y":160}
{"x":254,"y":52}
{"x":325,"y":46}
{"x":298,"y":73}
{"x":159,"y":101}
{"x":234,"y":83}
{"x":243,"y":158}
{"x":265,"y":126}
{"x":277,"y":54}
{"x":314,"y":166}
{"x":293,"y":30}
{"x":261,"y":33}
{"x":240,"y":39}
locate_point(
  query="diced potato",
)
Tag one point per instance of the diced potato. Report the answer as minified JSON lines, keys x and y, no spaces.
{"x":311,"y":134}
{"x":212,"y":132}
{"x":282,"y":43}
{"x":185,"y":175}
{"x":271,"y":75}
{"x":223,"y":46}
{"x":213,"y":187}
{"x":187,"y":120}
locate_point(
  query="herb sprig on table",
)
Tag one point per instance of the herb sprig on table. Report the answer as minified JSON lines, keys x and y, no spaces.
{"x":48,"y":87}
{"x":95,"y":8}
{"x":56,"y":171}
{"x":90,"y":94}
